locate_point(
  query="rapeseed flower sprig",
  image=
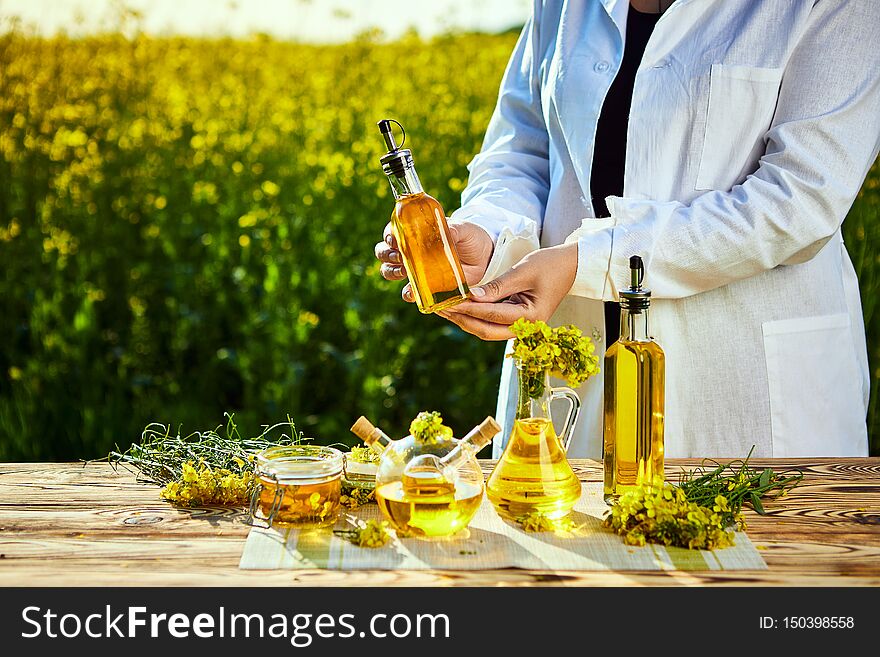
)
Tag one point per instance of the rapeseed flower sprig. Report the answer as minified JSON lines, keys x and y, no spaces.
{"x":661,"y":513}
{"x":538,"y":522}
{"x":373,"y":534}
{"x":428,"y":428}
{"x":361,"y":454}
{"x":738,"y":483}
{"x":202,"y":485}
{"x":564,"y":352}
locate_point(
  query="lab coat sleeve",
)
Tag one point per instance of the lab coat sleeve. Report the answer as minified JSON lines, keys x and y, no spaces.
{"x":509,"y":179}
{"x":823,"y":139}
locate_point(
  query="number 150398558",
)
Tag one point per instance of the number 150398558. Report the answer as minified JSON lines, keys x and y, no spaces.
{"x":807,"y":623}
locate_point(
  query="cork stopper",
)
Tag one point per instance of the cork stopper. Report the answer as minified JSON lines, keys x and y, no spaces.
{"x":482,"y":434}
{"x":365,"y":430}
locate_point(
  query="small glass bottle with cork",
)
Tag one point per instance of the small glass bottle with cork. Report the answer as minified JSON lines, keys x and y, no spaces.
{"x":428,"y":486}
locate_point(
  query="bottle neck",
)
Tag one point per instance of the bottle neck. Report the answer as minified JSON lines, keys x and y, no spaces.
{"x":458,"y":456}
{"x":634,"y":325}
{"x":533,"y":400}
{"x":470,"y":445}
{"x":405,"y":183}
{"x":378,"y":441}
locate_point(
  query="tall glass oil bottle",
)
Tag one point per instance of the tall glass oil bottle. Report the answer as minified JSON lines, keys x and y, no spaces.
{"x":634,"y":396}
{"x":533,"y":474}
{"x":423,"y":236}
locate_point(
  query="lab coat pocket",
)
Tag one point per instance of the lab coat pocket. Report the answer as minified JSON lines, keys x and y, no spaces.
{"x":742,"y":101}
{"x":816,"y":406}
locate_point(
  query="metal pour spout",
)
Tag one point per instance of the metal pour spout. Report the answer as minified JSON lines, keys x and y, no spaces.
{"x":385,"y":130}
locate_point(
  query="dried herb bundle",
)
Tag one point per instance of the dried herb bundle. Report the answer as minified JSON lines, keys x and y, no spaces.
{"x":203,"y":467}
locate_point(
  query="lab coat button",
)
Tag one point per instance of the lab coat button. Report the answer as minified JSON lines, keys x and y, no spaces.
{"x":601,"y":67}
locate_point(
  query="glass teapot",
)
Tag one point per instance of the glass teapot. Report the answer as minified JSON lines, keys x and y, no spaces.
{"x":429,"y":486}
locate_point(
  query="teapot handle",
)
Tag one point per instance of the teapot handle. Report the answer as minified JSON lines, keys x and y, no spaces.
{"x":574,"y":409}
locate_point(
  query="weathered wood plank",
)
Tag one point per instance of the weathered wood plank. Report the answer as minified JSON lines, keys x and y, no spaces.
{"x":133,"y":574}
{"x":70,"y":524}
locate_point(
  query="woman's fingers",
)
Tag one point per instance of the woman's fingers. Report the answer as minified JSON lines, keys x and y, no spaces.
{"x":515,"y":280}
{"x":407,"y":294}
{"x":495,"y":313}
{"x":388,"y":236}
{"x":392,"y":272}
{"x":392,"y":267}
{"x":478,"y":327}
{"x":387,"y":254}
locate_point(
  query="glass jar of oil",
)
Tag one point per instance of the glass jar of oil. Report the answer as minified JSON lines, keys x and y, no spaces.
{"x":634,"y":396}
{"x":423,"y":236}
{"x":297,"y":486}
{"x":533,"y":474}
{"x":428,"y":489}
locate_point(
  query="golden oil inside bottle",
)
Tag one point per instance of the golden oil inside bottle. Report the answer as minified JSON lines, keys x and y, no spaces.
{"x":428,"y":251}
{"x":634,"y":400}
{"x":429,"y":509}
{"x":305,"y":505}
{"x":533,"y":475}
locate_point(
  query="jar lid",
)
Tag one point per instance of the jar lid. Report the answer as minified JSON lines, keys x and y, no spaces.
{"x":296,"y":463}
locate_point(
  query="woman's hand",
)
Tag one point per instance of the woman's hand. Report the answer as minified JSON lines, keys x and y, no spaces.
{"x":533,"y":289}
{"x":473,"y":244}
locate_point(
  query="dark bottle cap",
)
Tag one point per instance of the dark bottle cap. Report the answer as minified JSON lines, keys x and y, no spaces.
{"x":396,"y":160}
{"x":635,"y":298}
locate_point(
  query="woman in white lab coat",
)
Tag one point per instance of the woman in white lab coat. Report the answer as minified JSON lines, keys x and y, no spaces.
{"x":751,"y":128}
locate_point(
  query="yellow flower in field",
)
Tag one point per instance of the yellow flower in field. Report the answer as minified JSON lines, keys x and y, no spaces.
{"x":244,"y":241}
{"x":270,"y":189}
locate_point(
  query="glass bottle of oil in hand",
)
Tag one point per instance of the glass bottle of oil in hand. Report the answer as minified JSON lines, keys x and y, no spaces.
{"x":634,"y":396}
{"x":423,"y":236}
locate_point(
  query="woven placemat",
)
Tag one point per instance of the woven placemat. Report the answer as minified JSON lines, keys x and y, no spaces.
{"x":489,"y":542}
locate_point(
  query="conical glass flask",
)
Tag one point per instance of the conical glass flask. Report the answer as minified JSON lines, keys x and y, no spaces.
{"x":533,"y":474}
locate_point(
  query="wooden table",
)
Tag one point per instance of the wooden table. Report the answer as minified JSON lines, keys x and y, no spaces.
{"x":66,"y":524}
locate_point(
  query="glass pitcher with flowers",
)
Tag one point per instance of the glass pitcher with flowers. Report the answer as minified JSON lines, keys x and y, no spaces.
{"x":533,"y":475}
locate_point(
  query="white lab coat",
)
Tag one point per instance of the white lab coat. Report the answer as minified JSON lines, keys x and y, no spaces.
{"x":753,"y":125}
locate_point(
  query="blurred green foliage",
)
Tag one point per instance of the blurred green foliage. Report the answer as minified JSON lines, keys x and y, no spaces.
{"x":187,"y":227}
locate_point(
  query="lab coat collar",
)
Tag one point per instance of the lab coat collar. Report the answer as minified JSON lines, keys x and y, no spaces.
{"x":617,"y":10}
